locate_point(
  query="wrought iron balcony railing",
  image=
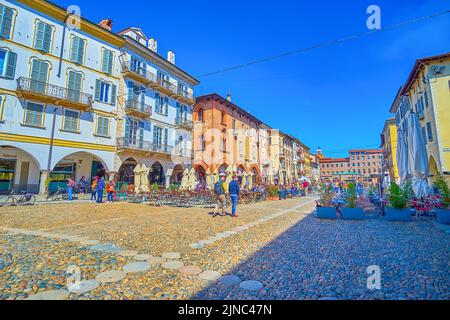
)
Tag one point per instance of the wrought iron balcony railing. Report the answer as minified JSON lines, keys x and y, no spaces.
{"x":138,"y":107}
{"x":146,"y":146}
{"x":52,"y":93}
{"x":152,"y":79}
{"x":184,"y":123}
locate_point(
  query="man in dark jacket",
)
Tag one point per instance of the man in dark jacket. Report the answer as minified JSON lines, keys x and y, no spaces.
{"x":233,"y":189}
{"x":221,"y":200}
{"x":100,"y":188}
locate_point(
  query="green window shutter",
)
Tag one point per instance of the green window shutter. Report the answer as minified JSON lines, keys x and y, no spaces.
{"x":157,"y":103}
{"x":47,"y":38}
{"x":107,"y":61}
{"x":113,"y":94}
{"x":166,"y":106}
{"x":98,"y":85}
{"x":81,"y":46}
{"x":11,"y":65}
{"x":39,"y":40}
{"x":77,"y":51}
{"x":6,"y":21}
{"x":142,"y":98}
{"x":141,"y":134}
{"x":127,"y":129}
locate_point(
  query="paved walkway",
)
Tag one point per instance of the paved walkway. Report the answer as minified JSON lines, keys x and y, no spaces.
{"x":273,"y":250}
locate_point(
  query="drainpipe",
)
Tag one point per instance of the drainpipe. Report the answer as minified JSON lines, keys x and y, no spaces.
{"x":50,"y":152}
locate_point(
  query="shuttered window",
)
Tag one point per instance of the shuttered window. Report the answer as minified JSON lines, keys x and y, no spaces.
{"x":43,"y":36}
{"x":105,"y":92}
{"x":34,"y":114}
{"x":107,"y":62}
{"x":102,"y":126}
{"x":39,"y":76}
{"x":71,"y":120}
{"x":6,"y":19}
{"x":8,"y":61}
{"x":77,"y":50}
{"x":74,"y":86}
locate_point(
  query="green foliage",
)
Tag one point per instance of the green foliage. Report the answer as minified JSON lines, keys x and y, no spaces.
{"x":272,"y":191}
{"x":442,"y":186}
{"x":326,"y":195}
{"x":174,"y":187}
{"x":351,"y":196}
{"x":398,"y":197}
{"x":155,"y":187}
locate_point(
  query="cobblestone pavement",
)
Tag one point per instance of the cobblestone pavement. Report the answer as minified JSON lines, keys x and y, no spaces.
{"x":274,"y":250}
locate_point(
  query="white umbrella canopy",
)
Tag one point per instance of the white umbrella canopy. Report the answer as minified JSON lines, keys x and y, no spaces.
{"x":250,"y":180}
{"x":417,"y":157}
{"x":402,"y":154}
{"x":234,"y":168}
{"x":137,"y":178}
{"x":229,"y":175}
{"x":145,"y":183}
{"x":185,"y":180}
{"x":215,"y":175}
{"x":193,"y":181}
{"x":209,"y":180}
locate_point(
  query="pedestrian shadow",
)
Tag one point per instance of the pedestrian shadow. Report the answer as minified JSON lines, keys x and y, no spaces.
{"x":328,"y":259}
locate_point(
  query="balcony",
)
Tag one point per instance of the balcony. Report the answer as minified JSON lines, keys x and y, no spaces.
{"x":157,"y":83}
{"x":144,"y":146}
{"x":49,"y":93}
{"x":184,"y":124}
{"x":138,"y":109}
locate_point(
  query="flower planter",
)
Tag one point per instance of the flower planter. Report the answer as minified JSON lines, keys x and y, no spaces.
{"x":352,"y":213}
{"x":398,"y":214}
{"x":443,"y":216}
{"x":326,"y":213}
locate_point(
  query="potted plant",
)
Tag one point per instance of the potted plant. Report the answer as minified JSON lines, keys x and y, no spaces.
{"x":326,"y":210}
{"x":443,"y":213}
{"x":399,"y":203}
{"x":350,"y":211}
{"x":155,"y":187}
{"x":272,"y":192}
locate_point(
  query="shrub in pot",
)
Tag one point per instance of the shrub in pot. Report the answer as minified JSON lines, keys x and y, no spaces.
{"x":326,"y":210}
{"x":272,"y":192}
{"x":399,"y":206}
{"x":443,"y":213}
{"x":351,"y":212}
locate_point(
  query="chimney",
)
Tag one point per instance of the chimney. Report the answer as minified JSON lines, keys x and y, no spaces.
{"x":229,"y":97}
{"x":106,"y":24}
{"x":153,"y":45}
{"x":171,"y":57}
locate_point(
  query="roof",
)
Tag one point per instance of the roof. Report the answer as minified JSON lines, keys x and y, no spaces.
{"x":417,"y":66}
{"x":367,"y":151}
{"x":231,"y":105}
{"x":330,"y":160}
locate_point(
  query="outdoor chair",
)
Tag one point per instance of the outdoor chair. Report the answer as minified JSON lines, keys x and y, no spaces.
{"x":422,"y":209}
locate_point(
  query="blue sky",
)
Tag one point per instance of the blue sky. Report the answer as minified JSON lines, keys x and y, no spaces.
{"x":336,"y":97}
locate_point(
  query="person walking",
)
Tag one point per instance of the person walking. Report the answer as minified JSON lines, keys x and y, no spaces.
{"x":234,"y":190}
{"x":70,"y":187}
{"x":94,"y":189}
{"x":219,"y":191}
{"x":100,"y":188}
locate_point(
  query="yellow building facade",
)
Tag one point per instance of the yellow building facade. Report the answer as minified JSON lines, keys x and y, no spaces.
{"x":389,"y":145}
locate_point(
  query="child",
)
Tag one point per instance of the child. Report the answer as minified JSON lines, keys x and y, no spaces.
{"x":70,"y":186}
{"x":94,"y":189}
{"x":110,"y":189}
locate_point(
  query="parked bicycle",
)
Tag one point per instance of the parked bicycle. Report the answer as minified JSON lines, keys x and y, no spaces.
{"x":60,"y":194}
{"x":22,"y":198}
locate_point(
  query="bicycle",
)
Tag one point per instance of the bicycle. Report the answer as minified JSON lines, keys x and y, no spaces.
{"x":60,"y":194}
{"x":22,"y":198}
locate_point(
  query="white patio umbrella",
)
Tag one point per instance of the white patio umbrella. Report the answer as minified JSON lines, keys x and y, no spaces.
{"x":185,"y":180}
{"x":402,"y":154}
{"x":145,"y":183}
{"x":137,"y":178}
{"x":250,"y":180}
{"x":234,"y":168}
{"x":209,"y":180}
{"x":417,"y":157}
{"x":193,"y":181}
{"x":215,"y":175}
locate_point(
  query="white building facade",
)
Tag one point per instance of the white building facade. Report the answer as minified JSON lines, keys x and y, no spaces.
{"x":155,"y":124}
{"x":58,"y":97}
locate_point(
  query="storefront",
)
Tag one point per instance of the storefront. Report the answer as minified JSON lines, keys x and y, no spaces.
{"x":7,"y":175}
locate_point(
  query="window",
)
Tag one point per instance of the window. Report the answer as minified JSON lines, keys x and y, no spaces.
{"x":426,"y":100}
{"x":71,"y":120}
{"x":162,"y":104}
{"x":138,"y":66}
{"x":102,"y":126}
{"x":105,"y":92}
{"x":34,"y":114}
{"x":43,"y":37}
{"x":6,"y":20}
{"x":74,"y":86}
{"x":429,"y":132}
{"x":157,"y":136}
{"x":2,"y":101}
{"x":8,"y":61}
{"x":107,"y":61}
{"x":200,"y":115}
{"x":39,"y":75}
{"x":224,"y":145}
{"x":224,"y":117}
{"x":77,"y":50}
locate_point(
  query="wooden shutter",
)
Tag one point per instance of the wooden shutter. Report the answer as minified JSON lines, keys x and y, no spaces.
{"x":11,"y":65}
{"x":98,"y":85}
{"x":141,"y":134}
{"x":6,"y":22}
{"x":113,"y":94}
{"x":39,"y":40}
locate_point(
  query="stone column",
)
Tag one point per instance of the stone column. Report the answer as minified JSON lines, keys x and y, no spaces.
{"x":42,"y":182}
